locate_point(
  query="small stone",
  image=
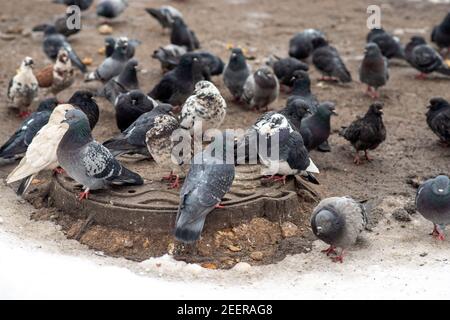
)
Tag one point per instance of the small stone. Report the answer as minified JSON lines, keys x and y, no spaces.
{"x":288,"y":230}
{"x":210,"y":266}
{"x":234,"y":248}
{"x":242,"y":267}
{"x":128,"y":244}
{"x":257,"y":255}
{"x":146,"y":244}
{"x":401,"y":215}
{"x":424,"y":254}
{"x":171,"y":248}
{"x":26,"y":33}
{"x":14,"y":30}
{"x":7,"y":37}
{"x":105,"y":29}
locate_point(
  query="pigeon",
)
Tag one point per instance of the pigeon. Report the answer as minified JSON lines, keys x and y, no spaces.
{"x":183,"y":36}
{"x":373,"y":70}
{"x":301,"y":91}
{"x":389,"y":45}
{"x":339,"y":221}
{"x":110,"y":45}
{"x":132,"y":140}
{"x":54,"y":41}
{"x":236,"y":73}
{"x":84,"y":101}
{"x":438,"y":119}
{"x":366,"y":133}
{"x":433,"y":203}
{"x":212,"y":64}
{"x":18,"y":143}
{"x":165,"y":15}
{"x":82,"y":4}
{"x":261,"y":89}
{"x":424,"y":58}
{"x":205,"y":108}
{"x":59,"y":76}
{"x":209,"y":179}
{"x":316,"y":129}
{"x":41,"y":153}
{"x":23,"y":87}
{"x":301,"y":45}
{"x":327,"y":60}
{"x":169,"y":56}
{"x":88,"y":162}
{"x":130,"y":106}
{"x":177,"y":85}
{"x":441,"y":33}
{"x":160,"y":146}
{"x":113,"y":65}
{"x":284,"y":68}
{"x":60,"y":24}
{"x":111,"y":9}
{"x":126,"y":81}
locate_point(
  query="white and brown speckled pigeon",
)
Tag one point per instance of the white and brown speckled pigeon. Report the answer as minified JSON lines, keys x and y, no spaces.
{"x":338,"y":221}
{"x":433,"y":203}
{"x":41,"y":153}
{"x":23,"y":87}
{"x":87,"y":161}
{"x":206,"y":107}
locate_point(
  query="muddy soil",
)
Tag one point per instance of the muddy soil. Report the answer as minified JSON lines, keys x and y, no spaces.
{"x":410,"y":153}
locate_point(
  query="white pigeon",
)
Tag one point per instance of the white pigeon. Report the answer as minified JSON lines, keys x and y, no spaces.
{"x":23,"y":88}
{"x":206,"y":107}
{"x":41,"y":153}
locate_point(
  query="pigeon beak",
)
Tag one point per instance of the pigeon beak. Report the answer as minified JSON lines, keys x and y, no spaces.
{"x":334,"y":113}
{"x":319,"y":229}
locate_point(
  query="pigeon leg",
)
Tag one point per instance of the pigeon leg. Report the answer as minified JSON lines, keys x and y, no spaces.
{"x":59,"y":170}
{"x":277,"y":178}
{"x":339,"y":258}
{"x":219,"y":206}
{"x":84,"y":195}
{"x":330,"y":250}
{"x":438,"y":233}
{"x":421,"y":76}
{"x":366,"y":154}
{"x":357,"y":160}
{"x":369,"y":91}
{"x":170,"y":177}
{"x":24,"y":114}
{"x":176,"y":183}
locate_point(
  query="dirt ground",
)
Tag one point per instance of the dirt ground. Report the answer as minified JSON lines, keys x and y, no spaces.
{"x":410,"y":152}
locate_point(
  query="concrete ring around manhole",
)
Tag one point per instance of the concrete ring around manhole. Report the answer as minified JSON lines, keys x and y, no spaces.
{"x":153,"y":206}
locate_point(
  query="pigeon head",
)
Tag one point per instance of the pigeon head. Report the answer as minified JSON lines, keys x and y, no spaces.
{"x":190,"y":61}
{"x":131,"y":65}
{"x":135,"y":97}
{"x":300,"y":79}
{"x":110,"y":44}
{"x":438,"y":103}
{"x":63,"y":56}
{"x":376,"y":109}
{"x":122,"y":46}
{"x":27,"y":63}
{"x":237,"y":57}
{"x":106,"y":9}
{"x":81,"y":96}
{"x":327,"y":225}
{"x":319,"y":42}
{"x":59,"y":114}
{"x":178,"y":21}
{"x":372,"y":50}
{"x":417,"y":41}
{"x":265,"y":77}
{"x":76,"y":117}
{"x":48,"y":105}
{"x":440,"y":185}
{"x":326,"y":110}
{"x":205,"y":87}
{"x":296,"y":111}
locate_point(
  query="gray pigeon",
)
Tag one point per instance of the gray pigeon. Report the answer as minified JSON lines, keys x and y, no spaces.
{"x":438,"y":119}
{"x":177,"y":85}
{"x":126,"y":81}
{"x":132,"y":140}
{"x":366,"y":133}
{"x":424,"y":58}
{"x":433,"y":203}
{"x":316,"y":129}
{"x":389,"y":45}
{"x":130,"y":106}
{"x":164,"y":15}
{"x":301,"y":91}
{"x":301,"y":45}
{"x":183,"y":36}
{"x":113,"y":65}
{"x":209,"y":179}
{"x":110,"y":45}
{"x":88,"y":162}
{"x":261,"y":89}
{"x":328,"y":61}
{"x":206,"y":107}
{"x":111,"y":9}
{"x":441,"y":33}
{"x":169,"y":56}
{"x":284,"y":68}
{"x":236,"y":73}
{"x":160,"y":146}
{"x":338,"y":221}
{"x":374,"y":69}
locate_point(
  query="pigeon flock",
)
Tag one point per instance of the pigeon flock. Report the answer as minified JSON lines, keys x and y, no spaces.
{"x":58,"y":134}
